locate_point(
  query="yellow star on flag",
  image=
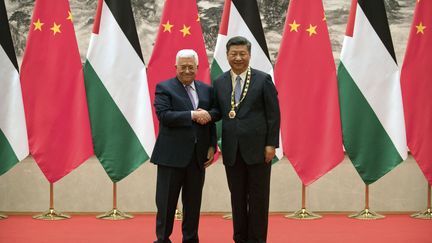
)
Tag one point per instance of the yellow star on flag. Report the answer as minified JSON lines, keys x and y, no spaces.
{"x":55,"y":28}
{"x":325,"y":17}
{"x":198,"y":18}
{"x":312,"y":30}
{"x":420,"y":28}
{"x":70,"y":16}
{"x":167,"y":26}
{"x":38,"y":25}
{"x":294,"y":26}
{"x":185,"y":30}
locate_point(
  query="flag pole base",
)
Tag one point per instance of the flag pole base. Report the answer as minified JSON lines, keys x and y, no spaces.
{"x":366,"y":214}
{"x":51,"y":214}
{"x":427,"y":214}
{"x":303,"y":214}
{"x":114,"y":214}
{"x":3,"y":216}
{"x":227,"y":216}
{"x":178,"y":215}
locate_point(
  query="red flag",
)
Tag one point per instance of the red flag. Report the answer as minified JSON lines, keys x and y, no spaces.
{"x":305,"y":75}
{"x":53,"y":92}
{"x":179,"y":29}
{"x":416,"y":83}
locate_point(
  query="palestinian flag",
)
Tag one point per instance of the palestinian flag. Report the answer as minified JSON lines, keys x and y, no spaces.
{"x":372,"y":115}
{"x":13,"y":132}
{"x":416,"y":82}
{"x":117,"y":91}
{"x":242,"y":18}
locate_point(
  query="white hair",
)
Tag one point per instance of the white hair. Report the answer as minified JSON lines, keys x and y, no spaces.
{"x":186,"y":53}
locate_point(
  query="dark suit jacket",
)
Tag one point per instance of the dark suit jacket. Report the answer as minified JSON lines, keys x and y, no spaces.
{"x":257,"y":122}
{"x":179,"y":137}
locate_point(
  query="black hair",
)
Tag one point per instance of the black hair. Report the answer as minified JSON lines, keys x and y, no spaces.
{"x":238,"y":41}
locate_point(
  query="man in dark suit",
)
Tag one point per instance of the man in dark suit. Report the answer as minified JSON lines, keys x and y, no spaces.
{"x":246,"y":101}
{"x":184,"y":148}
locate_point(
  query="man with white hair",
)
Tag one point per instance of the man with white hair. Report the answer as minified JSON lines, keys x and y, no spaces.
{"x":184,"y":148}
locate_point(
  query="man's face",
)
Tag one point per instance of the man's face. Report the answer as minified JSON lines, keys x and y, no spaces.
{"x":238,"y":58}
{"x":186,"y":69}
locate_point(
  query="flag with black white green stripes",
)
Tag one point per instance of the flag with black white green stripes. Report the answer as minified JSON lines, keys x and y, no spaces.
{"x":373,"y":126}
{"x":13,"y":132}
{"x":117,"y":91}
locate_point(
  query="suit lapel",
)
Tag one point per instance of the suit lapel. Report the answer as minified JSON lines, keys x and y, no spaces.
{"x":199,"y":91}
{"x":227,"y":86}
{"x":181,"y":90}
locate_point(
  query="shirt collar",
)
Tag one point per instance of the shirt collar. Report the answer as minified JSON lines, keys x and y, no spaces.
{"x":192,"y":85}
{"x":242,"y":75}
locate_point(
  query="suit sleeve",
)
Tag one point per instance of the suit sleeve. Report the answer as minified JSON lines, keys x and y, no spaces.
{"x":272,"y":112}
{"x":165,"y":113}
{"x":215,"y":110}
{"x":213,"y":135}
{"x":214,"y":114}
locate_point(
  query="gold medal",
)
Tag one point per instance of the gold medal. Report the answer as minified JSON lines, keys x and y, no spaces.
{"x":234,"y":106}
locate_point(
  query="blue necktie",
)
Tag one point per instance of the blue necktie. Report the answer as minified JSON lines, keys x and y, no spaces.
{"x":189,"y":92}
{"x":237,"y":89}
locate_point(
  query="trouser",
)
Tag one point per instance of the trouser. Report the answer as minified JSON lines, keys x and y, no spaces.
{"x":250,"y":189}
{"x":170,"y":181}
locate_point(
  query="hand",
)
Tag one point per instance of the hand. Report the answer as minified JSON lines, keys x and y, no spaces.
{"x":269,"y":153}
{"x":210,"y":157}
{"x":201,"y":116}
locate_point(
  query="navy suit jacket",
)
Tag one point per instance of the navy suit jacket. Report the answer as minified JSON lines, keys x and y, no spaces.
{"x":179,"y":137}
{"x":257,"y":122}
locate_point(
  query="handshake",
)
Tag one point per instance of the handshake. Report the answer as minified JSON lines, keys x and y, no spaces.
{"x":201,"y":116}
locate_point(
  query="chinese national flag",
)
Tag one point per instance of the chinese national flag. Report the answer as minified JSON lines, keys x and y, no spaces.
{"x":53,"y":92}
{"x":305,"y":76}
{"x":416,"y":83}
{"x":179,"y":29}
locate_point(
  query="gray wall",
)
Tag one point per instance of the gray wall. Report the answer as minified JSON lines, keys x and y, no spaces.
{"x":88,"y":189}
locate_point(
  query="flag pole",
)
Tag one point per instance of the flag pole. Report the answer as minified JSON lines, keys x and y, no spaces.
{"x":227,"y":216}
{"x":51,"y":214}
{"x":114,"y":214}
{"x":366,"y":213}
{"x":303,"y":213}
{"x":178,"y":214}
{"x":427,"y":214}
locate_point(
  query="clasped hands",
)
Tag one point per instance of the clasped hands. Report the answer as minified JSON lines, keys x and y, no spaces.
{"x":201,"y":116}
